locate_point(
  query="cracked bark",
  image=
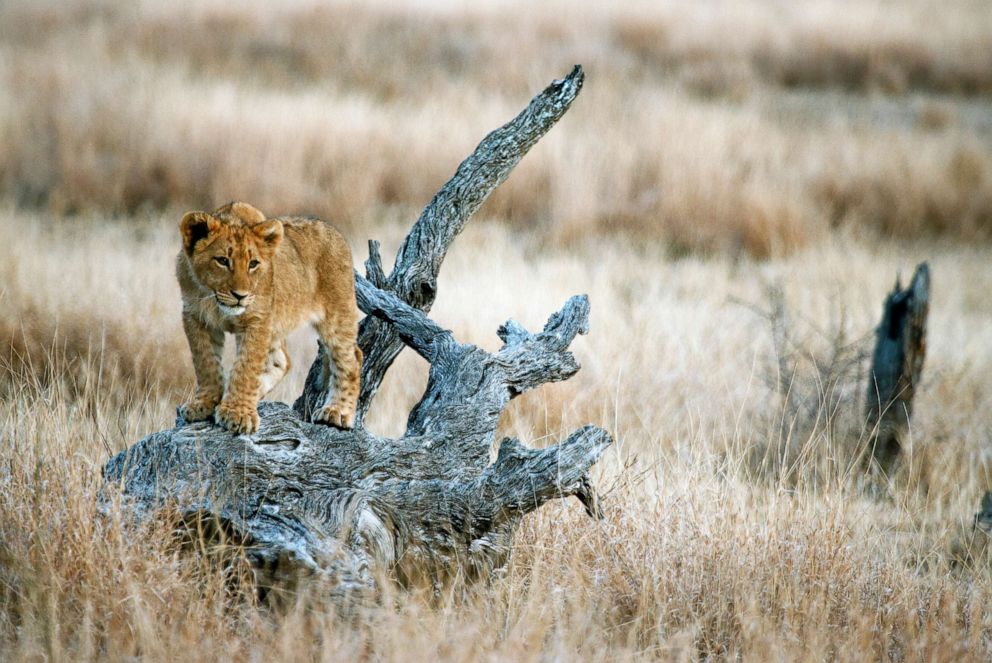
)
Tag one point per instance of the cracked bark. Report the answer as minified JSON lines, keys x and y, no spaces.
{"x":348,"y":509}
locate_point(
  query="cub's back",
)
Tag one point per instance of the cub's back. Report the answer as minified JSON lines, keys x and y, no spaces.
{"x":314,"y":257}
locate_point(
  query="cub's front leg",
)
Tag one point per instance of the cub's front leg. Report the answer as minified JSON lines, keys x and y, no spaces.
{"x":207,"y":347}
{"x":238,"y":412}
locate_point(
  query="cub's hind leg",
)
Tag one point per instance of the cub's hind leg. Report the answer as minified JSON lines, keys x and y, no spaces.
{"x":277,"y":365}
{"x":342,"y":369}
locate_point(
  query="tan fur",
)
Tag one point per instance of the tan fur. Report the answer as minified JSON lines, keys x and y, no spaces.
{"x":302,"y":272}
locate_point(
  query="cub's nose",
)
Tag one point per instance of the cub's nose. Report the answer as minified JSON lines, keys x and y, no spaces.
{"x":238,"y":295}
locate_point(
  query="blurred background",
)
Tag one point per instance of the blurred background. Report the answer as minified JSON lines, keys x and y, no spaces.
{"x":753,"y":126}
{"x":737,"y":188}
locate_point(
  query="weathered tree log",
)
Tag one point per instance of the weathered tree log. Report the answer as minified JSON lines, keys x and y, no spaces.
{"x":346,"y":509}
{"x":897,"y":365}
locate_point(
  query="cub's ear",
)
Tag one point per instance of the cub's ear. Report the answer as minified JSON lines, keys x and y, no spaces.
{"x":269,"y":232}
{"x":247,"y":213}
{"x":196,"y":226}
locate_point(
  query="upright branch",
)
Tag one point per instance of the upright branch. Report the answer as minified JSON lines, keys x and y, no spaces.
{"x":418,"y":262}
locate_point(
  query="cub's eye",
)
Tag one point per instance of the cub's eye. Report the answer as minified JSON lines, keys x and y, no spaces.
{"x":253,"y":264}
{"x":222,"y":261}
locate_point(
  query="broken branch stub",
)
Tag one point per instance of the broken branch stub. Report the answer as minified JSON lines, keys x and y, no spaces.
{"x":344,"y":509}
{"x":897,"y":366}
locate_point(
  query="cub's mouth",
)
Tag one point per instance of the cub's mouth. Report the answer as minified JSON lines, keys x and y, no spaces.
{"x":232,"y":308}
{"x":231,"y":311}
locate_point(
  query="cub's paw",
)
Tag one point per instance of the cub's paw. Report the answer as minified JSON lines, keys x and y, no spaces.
{"x":197,"y":409}
{"x":239,"y":418}
{"x":335,"y":415}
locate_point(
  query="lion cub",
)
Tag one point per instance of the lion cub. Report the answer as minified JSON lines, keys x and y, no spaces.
{"x":260,"y":279}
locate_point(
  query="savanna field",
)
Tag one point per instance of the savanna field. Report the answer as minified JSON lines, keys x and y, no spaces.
{"x":736,"y":189}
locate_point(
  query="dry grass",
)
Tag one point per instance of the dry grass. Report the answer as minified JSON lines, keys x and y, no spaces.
{"x":704,"y":551}
{"x":720,"y":151}
{"x":749,"y":127}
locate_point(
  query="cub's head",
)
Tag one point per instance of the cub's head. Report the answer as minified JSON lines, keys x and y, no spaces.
{"x":230,"y":252}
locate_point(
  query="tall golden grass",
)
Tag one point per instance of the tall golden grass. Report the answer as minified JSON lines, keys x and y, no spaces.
{"x":720,"y":152}
{"x":706,"y":550}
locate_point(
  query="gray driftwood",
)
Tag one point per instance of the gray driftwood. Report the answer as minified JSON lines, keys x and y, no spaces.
{"x":349,"y":508}
{"x":897,"y":364}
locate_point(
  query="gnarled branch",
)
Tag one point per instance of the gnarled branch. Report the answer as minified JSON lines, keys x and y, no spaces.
{"x":418,"y":262}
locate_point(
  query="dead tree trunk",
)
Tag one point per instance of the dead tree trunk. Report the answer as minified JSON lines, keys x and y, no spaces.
{"x":348,"y":508}
{"x":897,"y":365}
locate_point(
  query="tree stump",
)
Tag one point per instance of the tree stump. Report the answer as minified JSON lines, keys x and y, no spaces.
{"x":348,"y":509}
{"x":897,"y":364}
